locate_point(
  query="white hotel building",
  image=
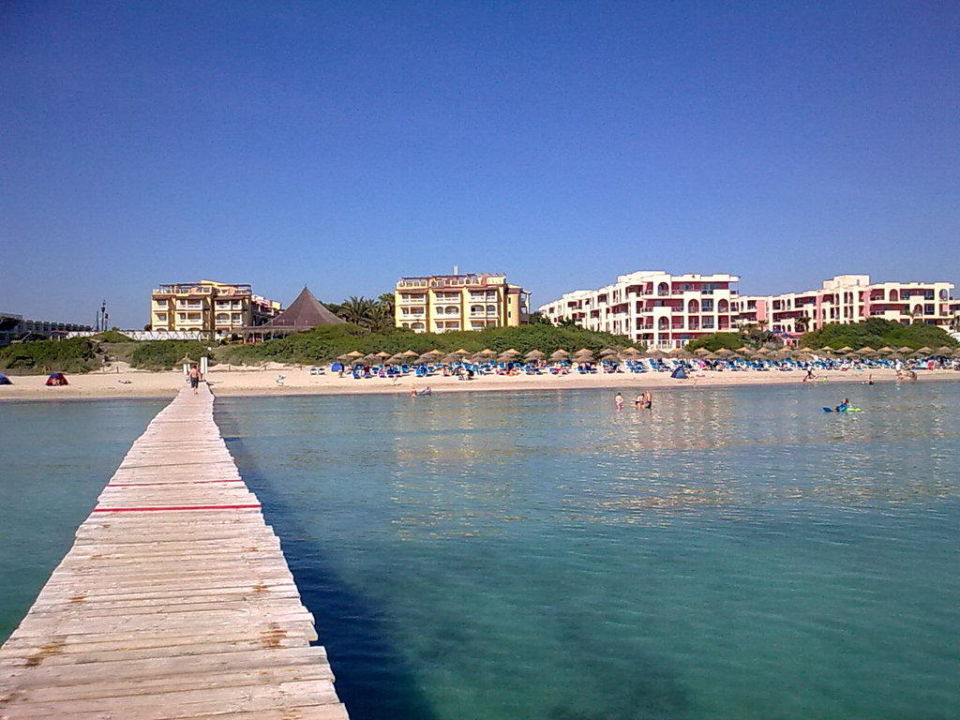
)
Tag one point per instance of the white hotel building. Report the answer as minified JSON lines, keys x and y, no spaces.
{"x":653,"y":307}
{"x":849,"y":299}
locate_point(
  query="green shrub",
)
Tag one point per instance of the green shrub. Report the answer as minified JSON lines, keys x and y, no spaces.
{"x":718,"y":341}
{"x":324,"y":344}
{"x":877,"y":333}
{"x":111,"y":336}
{"x":76,"y":355}
{"x":165,"y":354}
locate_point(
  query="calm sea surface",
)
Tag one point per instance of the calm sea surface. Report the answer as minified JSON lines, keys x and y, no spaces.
{"x":55,"y":458}
{"x":733,"y":553}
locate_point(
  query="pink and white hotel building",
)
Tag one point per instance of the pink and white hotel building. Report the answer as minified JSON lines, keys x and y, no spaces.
{"x":848,"y":299}
{"x":653,"y":307}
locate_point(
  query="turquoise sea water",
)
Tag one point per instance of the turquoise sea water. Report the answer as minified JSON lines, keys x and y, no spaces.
{"x":733,"y":553}
{"x":55,"y":457}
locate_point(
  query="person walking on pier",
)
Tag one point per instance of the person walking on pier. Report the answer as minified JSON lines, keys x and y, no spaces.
{"x":195,"y":377}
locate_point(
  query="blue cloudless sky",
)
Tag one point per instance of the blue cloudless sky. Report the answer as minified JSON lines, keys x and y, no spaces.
{"x":344,"y":144}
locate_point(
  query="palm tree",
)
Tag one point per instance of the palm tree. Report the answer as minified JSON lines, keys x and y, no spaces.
{"x":387,"y":300}
{"x":358,"y":310}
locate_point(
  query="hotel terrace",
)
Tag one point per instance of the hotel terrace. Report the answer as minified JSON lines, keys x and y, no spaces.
{"x":849,"y":299}
{"x":214,"y":308}
{"x":445,"y":303}
{"x":653,"y":307}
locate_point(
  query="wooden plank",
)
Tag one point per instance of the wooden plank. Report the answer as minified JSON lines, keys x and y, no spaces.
{"x":175,"y":601}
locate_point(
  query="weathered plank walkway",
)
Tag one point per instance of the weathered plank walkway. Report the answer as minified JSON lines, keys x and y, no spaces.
{"x":174,"y":602}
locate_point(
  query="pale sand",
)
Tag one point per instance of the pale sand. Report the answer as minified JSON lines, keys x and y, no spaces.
{"x":297,"y":381}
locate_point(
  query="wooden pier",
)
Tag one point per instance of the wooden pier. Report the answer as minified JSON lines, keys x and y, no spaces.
{"x":174,"y":602}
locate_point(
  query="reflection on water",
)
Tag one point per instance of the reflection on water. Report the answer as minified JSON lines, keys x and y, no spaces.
{"x":733,"y":553}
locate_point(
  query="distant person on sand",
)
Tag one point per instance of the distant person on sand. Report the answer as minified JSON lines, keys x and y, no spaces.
{"x":195,"y":377}
{"x":809,"y":376}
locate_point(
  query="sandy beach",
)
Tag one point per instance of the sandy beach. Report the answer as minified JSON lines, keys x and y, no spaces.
{"x":227,"y":381}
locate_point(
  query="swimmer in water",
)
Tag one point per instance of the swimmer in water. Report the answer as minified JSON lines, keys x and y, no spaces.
{"x":618,"y":400}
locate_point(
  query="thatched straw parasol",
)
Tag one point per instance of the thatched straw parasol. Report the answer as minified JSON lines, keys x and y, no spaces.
{"x":905,"y":349}
{"x":409,"y":354}
{"x":943,"y":350}
{"x":535,"y":355}
{"x":396,"y":359}
{"x":426,"y":359}
{"x":511,"y":351}
{"x":826,"y":350}
{"x":655,"y":353}
{"x":345,"y":357}
{"x":725,"y":352}
{"x":867,"y":350}
{"x":452,"y":358}
{"x":702,"y":352}
{"x":371,"y":358}
{"x":608,"y":351}
{"x":355,"y":354}
{"x":383,"y":355}
{"x":956,"y":353}
{"x":583,"y":355}
{"x":887,"y":350}
{"x":487,"y":352}
{"x":710,"y":355}
{"x":559,"y":355}
{"x":925,"y":350}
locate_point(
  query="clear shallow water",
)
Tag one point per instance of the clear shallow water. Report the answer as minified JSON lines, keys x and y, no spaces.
{"x":735,"y":553}
{"x":55,"y":458}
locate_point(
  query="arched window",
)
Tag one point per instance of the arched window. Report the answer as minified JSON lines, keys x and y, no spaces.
{"x":944,"y":295}
{"x":723,"y":306}
{"x":693,"y":307}
{"x":918,"y":309}
{"x":663,"y":289}
{"x":894,"y":295}
{"x":662,"y":323}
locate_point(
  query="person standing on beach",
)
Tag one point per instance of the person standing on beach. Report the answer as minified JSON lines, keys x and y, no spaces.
{"x":195,"y":377}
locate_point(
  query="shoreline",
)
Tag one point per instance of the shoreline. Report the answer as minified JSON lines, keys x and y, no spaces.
{"x":141,"y":385}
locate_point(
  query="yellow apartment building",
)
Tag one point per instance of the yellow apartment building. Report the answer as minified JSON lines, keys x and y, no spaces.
{"x":446,"y":303}
{"x":219,"y":309}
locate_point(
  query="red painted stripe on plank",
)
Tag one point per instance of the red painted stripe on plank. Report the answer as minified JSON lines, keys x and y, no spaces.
{"x":178,"y":507}
{"x":182,"y":482}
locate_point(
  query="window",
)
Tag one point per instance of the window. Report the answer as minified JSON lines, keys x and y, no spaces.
{"x":707,"y":306}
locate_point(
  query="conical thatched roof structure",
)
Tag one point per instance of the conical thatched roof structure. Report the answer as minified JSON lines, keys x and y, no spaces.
{"x":304,"y":313}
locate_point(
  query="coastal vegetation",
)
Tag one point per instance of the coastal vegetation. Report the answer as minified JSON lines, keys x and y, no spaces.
{"x":326,"y":343}
{"x":877,"y":333}
{"x":165,"y":354}
{"x":112,"y":336}
{"x":751,"y":336}
{"x":43,"y":356}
